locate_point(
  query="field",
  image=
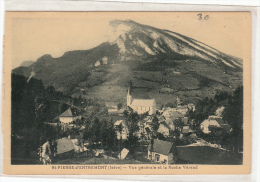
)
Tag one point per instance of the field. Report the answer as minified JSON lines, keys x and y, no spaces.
{"x":207,"y":155}
{"x":190,"y":80}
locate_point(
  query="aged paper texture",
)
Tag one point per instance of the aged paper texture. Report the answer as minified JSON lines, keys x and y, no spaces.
{"x":127,"y":93}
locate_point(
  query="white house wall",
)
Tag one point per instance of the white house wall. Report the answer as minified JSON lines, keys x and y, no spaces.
{"x":67,"y":120}
{"x":204,"y":126}
{"x":163,"y":130}
{"x":162,"y":157}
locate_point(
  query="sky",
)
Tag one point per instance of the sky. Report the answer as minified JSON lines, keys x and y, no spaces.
{"x":36,"y":34}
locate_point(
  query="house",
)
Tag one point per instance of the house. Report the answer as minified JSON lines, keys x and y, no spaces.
{"x":82,"y":128}
{"x":172,"y":113}
{"x":77,"y":147}
{"x":170,"y":122}
{"x":185,"y":120}
{"x":162,"y":151}
{"x":141,"y":105}
{"x":214,"y":122}
{"x":148,"y":120}
{"x":121,"y":130}
{"x":164,"y":129}
{"x":111,"y":110}
{"x":65,"y":148}
{"x":70,"y":115}
{"x":148,"y":132}
{"x":191,"y":107}
{"x":111,"y":107}
{"x":186,"y":129}
{"x":123,"y":153}
{"x":219,"y":111}
{"x":141,"y":131}
{"x":182,"y":109}
{"x":170,"y":116}
{"x":70,"y":126}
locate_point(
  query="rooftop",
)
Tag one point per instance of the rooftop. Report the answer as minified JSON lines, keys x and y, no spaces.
{"x":64,"y":145}
{"x":165,"y":124}
{"x":117,"y":123}
{"x":70,"y":112}
{"x":174,"y":114}
{"x":161,"y":147}
{"x":143,"y":102}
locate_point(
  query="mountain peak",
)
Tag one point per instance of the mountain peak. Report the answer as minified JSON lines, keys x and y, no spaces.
{"x":119,"y":28}
{"x":137,"y":40}
{"x":128,"y":22}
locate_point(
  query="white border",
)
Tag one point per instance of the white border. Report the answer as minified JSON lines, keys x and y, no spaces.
{"x":1,"y":83}
{"x":92,"y":5}
{"x":28,"y":3}
{"x":58,"y":5}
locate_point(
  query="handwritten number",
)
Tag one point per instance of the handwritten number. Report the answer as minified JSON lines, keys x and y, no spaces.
{"x":202,"y":17}
{"x":206,"y":17}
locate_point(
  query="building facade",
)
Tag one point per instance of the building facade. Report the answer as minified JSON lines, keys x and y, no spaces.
{"x":162,"y":152}
{"x":141,"y":105}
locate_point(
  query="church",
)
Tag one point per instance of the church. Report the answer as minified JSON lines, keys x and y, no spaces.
{"x":141,"y":105}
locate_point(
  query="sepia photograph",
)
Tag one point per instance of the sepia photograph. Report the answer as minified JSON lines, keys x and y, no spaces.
{"x":127,"y":88}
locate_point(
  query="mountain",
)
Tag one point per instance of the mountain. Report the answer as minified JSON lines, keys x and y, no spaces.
{"x":26,"y":63}
{"x":161,"y":64}
{"x":134,"y":39}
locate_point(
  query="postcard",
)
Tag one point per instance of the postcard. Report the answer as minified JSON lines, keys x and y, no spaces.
{"x":127,"y":93}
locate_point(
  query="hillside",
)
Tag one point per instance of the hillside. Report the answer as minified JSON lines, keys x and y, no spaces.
{"x":26,"y":63}
{"x":161,"y":64}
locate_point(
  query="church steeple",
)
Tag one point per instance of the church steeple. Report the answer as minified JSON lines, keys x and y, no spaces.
{"x":129,"y":97}
{"x":178,"y":101}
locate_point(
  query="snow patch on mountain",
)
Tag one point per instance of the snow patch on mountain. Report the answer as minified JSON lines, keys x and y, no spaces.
{"x":118,"y":31}
{"x":156,"y":45}
{"x":97,"y":64}
{"x":137,"y":53}
{"x":145,"y":47}
{"x":191,"y":44}
{"x":227,"y":63}
{"x":105,"y":60}
{"x":239,"y":64}
{"x":154,"y":35}
{"x":204,"y":48}
{"x":121,"y":45}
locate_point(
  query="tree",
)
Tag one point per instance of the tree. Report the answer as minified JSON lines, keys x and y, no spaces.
{"x":104,"y":133}
{"x":62,"y":107}
{"x":50,"y":92}
{"x":30,"y":108}
{"x":179,"y":124}
{"x":155,"y":123}
{"x":111,"y":137}
{"x":125,"y":113}
{"x":132,"y":124}
{"x":233,"y":115}
{"x":41,"y":107}
{"x":119,"y":106}
{"x":223,"y":95}
{"x":94,"y":131}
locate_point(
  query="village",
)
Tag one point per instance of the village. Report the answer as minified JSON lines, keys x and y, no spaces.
{"x":138,"y":132}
